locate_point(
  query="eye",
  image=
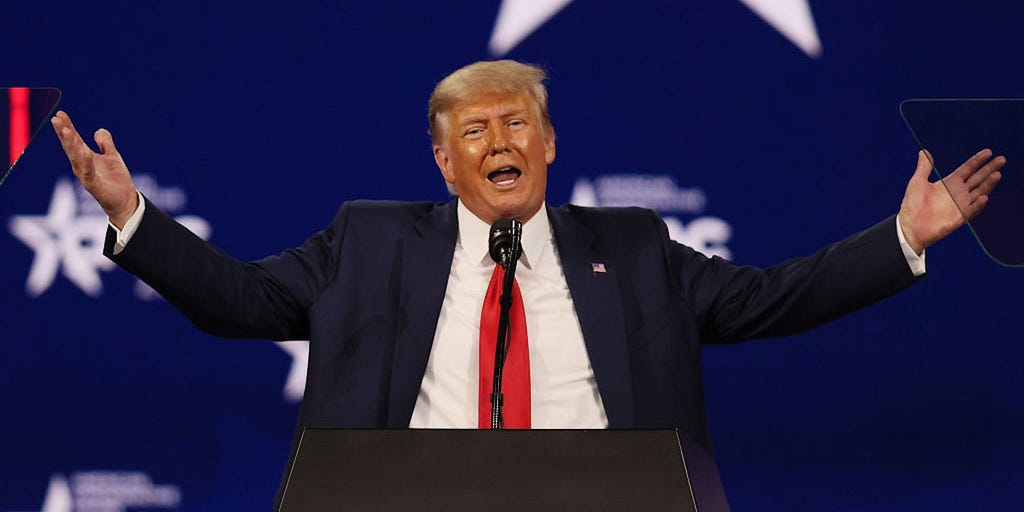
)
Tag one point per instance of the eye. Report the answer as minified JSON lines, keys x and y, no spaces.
{"x":473,"y":132}
{"x":516,"y":122}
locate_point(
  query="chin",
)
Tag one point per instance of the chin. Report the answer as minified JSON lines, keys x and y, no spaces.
{"x":513,"y":207}
{"x":521,"y":212}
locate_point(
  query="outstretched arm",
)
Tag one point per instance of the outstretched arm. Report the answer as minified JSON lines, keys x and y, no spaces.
{"x":103,"y":174}
{"x":930,"y":211}
{"x":220,"y":294}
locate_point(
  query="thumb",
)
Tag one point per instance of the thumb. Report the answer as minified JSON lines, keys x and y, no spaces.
{"x":105,"y":141}
{"x":924,"y":165}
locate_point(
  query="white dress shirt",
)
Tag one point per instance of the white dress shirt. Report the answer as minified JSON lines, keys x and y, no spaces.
{"x":563,"y":390}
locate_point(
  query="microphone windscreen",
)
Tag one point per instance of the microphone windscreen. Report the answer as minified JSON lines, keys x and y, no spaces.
{"x":500,"y":241}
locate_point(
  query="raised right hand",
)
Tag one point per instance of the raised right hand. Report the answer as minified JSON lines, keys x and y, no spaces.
{"x":103,"y":174}
{"x":932,"y":210}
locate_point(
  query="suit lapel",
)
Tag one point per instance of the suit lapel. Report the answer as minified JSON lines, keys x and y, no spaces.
{"x":426,"y":260}
{"x":595,"y":296}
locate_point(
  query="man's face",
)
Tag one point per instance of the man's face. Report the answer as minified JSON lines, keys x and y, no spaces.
{"x":496,"y":149}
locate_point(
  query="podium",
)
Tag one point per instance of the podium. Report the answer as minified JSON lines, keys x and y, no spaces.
{"x":501,"y":470}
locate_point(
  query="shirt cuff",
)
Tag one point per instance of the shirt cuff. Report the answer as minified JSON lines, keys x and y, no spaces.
{"x":914,"y":261}
{"x":124,"y":235}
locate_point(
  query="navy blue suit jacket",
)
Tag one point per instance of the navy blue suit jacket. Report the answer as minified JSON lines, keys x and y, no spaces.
{"x":367,"y":290}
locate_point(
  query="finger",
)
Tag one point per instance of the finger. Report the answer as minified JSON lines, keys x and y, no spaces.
{"x":924,"y":165}
{"x":105,"y":141}
{"x":975,"y":207}
{"x":982,"y":174}
{"x":972,"y":164}
{"x":72,"y":142}
{"x":986,"y":186}
{"x":61,"y":127}
{"x":65,"y":128}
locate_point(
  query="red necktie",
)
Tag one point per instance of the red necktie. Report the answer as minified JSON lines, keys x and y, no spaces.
{"x":516,"y":374}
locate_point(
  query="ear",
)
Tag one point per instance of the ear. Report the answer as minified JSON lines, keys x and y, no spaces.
{"x":549,"y":144}
{"x":443,"y":163}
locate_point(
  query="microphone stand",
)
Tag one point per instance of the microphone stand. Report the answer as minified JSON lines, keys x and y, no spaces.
{"x":509,"y":261}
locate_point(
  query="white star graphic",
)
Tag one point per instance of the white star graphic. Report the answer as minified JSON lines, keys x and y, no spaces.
{"x":58,"y":495}
{"x":70,"y":238}
{"x":295,"y":384}
{"x":62,"y":240}
{"x":793,"y":19}
{"x":517,"y":19}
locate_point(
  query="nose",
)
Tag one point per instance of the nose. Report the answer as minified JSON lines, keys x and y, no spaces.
{"x":499,"y":143}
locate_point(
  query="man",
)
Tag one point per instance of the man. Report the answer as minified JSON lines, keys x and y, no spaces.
{"x":615,"y":311}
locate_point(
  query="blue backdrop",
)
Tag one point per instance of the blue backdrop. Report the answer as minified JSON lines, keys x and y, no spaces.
{"x":252,"y":122}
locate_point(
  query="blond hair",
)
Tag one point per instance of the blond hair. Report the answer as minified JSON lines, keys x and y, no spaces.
{"x":495,"y":76}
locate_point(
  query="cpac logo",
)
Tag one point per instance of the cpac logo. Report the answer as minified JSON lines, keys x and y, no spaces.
{"x":705,"y":234}
{"x":108,"y":491}
{"x":69,"y":237}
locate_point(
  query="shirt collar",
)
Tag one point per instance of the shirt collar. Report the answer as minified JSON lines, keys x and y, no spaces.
{"x":473,"y":234}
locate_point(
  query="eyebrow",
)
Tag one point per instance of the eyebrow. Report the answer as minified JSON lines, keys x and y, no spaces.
{"x":480,"y":118}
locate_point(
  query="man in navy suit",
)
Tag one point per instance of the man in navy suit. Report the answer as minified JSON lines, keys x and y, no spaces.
{"x":615,"y":310}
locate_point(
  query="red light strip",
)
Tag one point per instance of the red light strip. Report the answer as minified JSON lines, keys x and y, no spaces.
{"x":20,"y":131}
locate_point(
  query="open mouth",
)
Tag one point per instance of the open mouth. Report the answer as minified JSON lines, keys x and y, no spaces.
{"x":505,"y":176}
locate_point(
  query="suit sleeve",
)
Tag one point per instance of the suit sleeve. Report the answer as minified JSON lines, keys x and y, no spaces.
{"x":734,"y":303}
{"x":221,"y":295}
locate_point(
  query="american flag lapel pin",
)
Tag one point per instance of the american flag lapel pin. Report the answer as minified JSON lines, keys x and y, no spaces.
{"x":598,"y":267}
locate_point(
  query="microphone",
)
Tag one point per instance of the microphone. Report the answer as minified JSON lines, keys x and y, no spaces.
{"x":505,"y":246}
{"x":505,"y":241}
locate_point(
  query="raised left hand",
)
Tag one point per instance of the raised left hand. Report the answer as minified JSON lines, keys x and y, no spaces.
{"x":930,"y":211}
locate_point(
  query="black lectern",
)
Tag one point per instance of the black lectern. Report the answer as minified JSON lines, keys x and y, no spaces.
{"x":501,"y":470}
